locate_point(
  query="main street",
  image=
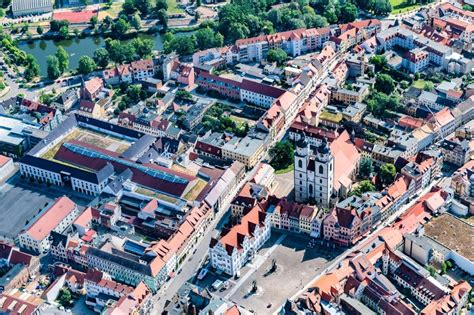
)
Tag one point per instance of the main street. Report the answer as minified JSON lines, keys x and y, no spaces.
{"x":197,"y":258}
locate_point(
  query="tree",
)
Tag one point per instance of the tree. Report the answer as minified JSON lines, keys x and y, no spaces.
{"x":39,"y":30}
{"x":133,"y":92}
{"x":207,"y":38}
{"x":63,"y":59}
{"x":101,"y":57}
{"x":182,"y":45}
{"x":277,"y":55}
{"x":184,"y":95}
{"x":86,"y":65}
{"x":363,"y":187}
{"x":128,"y":7}
{"x":163,"y":18}
{"x":281,"y":155}
{"x":349,"y":13}
{"x":120,"y":27}
{"x":387,"y":173}
{"x":136,"y":22}
{"x":54,"y":70}
{"x":144,"y":6}
{"x":467,"y":7}
{"x":380,"y":7}
{"x":432,"y":270}
{"x":161,"y":5}
{"x":429,"y":86}
{"x":384,"y":83}
{"x":32,"y":68}
{"x":2,"y":12}
{"x":56,"y":25}
{"x":65,"y":297}
{"x":366,"y":167}
{"x":143,"y":47}
{"x":444,"y":268}
{"x":379,"y":62}
{"x":94,"y":20}
{"x":64,"y":31}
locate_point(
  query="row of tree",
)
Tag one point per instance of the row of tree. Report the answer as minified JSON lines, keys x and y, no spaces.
{"x":114,"y":51}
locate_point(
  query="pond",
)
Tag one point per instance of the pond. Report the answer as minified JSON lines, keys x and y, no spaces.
{"x":76,"y":47}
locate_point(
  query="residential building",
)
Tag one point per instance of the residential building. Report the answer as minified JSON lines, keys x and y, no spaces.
{"x":457,"y":152}
{"x":247,"y":150}
{"x":239,"y":244}
{"x":56,"y":217}
{"x":355,"y":95}
{"x":354,"y":112}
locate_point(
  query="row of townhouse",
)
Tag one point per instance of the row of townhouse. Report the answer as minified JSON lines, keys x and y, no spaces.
{"x":159,"y":260}
{"x":300,"y":41}
{"x":353,"y":217}
{"x":128,"y":73}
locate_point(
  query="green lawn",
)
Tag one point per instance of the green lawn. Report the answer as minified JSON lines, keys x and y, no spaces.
{"x":285,"y":170}
{"x":420,"y":84}
{"x":173,"y":7}
{"x":400,"y":6}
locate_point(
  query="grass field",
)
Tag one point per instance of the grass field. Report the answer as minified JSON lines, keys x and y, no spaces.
{"x":113,"y":11}
{"x":285,"y":170}
{"x":400,"y":6}
{"x":420,"y":84}
{"x":173,"y":7}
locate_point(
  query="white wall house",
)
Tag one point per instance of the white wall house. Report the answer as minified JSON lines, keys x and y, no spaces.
{"x":55,"y":218}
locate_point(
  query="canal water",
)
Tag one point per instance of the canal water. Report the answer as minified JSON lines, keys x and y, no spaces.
{"x":76,"y":47}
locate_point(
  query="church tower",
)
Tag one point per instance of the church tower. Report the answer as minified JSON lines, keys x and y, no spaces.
{"x":301,"y":168}
{"x":323,"y":175}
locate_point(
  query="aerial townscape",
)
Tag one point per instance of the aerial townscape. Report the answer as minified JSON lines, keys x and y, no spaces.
{"x":236,"y":157}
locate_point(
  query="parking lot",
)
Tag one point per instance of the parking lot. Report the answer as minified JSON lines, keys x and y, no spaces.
{"x":296,"y":264}
{"x":20,"y":201}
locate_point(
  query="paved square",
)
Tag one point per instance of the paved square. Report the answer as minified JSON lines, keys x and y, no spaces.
{"x":296,"y":266}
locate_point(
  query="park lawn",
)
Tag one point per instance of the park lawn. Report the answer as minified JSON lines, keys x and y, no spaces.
{"x":419,"y":84}
{"x":113,"y":11}
{"x":173,"y":7}
{"x":400,"y":6}
{"x":287,"y":169}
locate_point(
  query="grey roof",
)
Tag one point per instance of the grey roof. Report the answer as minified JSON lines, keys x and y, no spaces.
{"x":137,"y":149}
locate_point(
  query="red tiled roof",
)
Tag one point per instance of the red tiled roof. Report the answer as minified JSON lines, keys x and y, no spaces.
{"x":50,"y":218}
{"x":4,"y":160}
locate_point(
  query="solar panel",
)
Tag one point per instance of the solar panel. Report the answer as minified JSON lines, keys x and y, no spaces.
{"x":134,"y":248}
{"x":99,"y":155}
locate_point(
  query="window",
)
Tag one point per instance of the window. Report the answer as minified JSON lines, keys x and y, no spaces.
{"x":310,"y":189}
{"x":300,"y":164}
{"x":321,"y":170}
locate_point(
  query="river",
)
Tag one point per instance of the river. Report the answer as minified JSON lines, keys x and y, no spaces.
{"x":76,"y":47}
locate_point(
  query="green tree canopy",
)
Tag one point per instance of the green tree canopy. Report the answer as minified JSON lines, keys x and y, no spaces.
{"x":366,"y":167}
{"x":277,"y":55}
{"x":63,"y":59}
{"x":86,"y":65}
{"x":53,"y":69}
{"x":101,"y":57}
{"x":384,"y":83}
{"x":282,"y":155}
{"x":387,"y":173}
{"x":120,"y":27}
